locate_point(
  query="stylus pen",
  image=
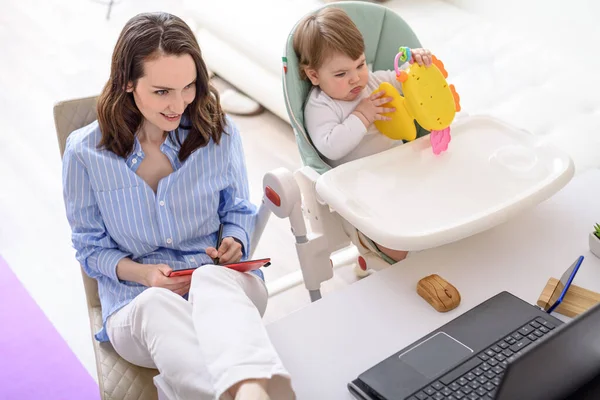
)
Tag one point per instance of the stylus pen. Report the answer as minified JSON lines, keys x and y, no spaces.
{"x":219,"y":240}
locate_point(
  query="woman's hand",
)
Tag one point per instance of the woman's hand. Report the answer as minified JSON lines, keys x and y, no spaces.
{"x":421,"y":56}
{"x":229,"y":252}
{"x":157,"y":275}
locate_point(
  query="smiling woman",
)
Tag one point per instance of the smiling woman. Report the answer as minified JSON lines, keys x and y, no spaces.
{"x":165,"y":73}
{"x":146,"y":188}
{"x":168,"y":99}
{"x":162,"y":105}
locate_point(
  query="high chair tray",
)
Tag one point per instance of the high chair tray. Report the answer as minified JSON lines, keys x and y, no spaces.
{"x":407,"y":198}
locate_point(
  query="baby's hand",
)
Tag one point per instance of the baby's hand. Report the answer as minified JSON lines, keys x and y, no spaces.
{"x":369,"y":109}
{"x":421,"y":56}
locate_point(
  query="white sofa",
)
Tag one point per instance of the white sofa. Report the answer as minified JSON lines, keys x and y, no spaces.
{"x":533,"y":64}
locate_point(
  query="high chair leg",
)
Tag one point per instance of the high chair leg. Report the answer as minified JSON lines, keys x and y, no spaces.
{"x":282,"y":196}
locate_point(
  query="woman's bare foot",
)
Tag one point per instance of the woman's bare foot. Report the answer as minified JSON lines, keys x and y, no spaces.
{"x":252,"y":389}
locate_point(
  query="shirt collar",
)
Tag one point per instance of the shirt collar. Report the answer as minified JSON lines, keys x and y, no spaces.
{"x":170,"y":148}
{"x":171,"y":141}
{"x":136,"y":156}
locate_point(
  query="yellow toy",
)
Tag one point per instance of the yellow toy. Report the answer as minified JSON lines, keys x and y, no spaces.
{"x":428,"y":99}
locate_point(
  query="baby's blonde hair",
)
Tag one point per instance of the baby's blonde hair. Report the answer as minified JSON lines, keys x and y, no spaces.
{"x":324,"y":33}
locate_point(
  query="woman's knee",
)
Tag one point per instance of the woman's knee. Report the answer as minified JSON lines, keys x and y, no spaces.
{"x":208,"y":277}
{"x":207,"y":271}
{"x":257,"y":292}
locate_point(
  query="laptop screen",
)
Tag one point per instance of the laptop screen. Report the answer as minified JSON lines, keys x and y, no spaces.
{"x":559,"y":364}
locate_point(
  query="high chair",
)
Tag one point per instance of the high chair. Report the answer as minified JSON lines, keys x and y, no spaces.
{"x":383,"y":31}
{"x":499,"y":170}
{"x":117,"y":378}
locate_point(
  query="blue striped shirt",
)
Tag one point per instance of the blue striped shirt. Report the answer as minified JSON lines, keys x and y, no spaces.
{"x":114,"y":213}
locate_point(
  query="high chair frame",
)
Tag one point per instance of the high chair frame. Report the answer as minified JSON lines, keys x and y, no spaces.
{"x":321,"y":231}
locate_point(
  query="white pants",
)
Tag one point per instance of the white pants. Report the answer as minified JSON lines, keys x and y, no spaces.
{"x":207,"y":344}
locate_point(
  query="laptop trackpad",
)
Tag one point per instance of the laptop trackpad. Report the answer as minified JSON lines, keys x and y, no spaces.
{"x":435,"y":355}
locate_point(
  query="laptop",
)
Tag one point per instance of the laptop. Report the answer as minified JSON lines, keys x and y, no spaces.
{"x":504,"y":349}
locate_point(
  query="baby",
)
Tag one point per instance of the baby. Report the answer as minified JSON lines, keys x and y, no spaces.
{"x":340,"y":110}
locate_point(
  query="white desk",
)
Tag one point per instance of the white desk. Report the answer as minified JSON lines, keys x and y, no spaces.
{"x":332,"y":341}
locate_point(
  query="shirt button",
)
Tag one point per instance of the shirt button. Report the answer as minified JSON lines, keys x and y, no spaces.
{"x":169,"y":241}
{"x":134,"y":161}
{"x":139,"y":153}
{"x":162,"y":203}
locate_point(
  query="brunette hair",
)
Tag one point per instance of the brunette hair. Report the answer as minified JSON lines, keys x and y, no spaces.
{"x":319,"y":35}
{"x":146,"y":37}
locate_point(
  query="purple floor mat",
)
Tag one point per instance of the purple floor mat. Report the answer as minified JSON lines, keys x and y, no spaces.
{"x":35,"y":361}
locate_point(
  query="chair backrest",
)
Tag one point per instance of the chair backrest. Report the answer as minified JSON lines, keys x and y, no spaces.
{"x":383,"y":31}
{"x":69,"y":116}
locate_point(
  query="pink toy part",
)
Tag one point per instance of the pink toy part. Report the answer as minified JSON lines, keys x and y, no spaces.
{"x":396,"y":64}
{"x":403,"y":56}
{"x":440,"y":140}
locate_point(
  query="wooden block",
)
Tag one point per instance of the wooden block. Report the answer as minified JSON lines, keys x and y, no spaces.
{"x":439,"y":293}
{"x":576,"y":301}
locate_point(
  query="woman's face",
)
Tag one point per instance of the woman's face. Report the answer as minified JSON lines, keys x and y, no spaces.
{"x":165,"y":90}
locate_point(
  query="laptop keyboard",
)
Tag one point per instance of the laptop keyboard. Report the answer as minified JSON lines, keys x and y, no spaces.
{"x":479,"y":377}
